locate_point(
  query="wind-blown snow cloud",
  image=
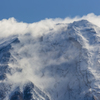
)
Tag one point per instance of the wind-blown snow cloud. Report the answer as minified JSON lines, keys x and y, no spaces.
{"x":12,"y":27}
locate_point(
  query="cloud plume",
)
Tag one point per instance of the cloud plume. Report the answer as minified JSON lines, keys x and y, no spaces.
{"x":12,"y":27}
{"x":38,"y":56}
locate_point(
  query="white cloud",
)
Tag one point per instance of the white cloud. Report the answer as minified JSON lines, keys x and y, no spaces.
{"x":30,"y":59}
{"x":12,"y":27}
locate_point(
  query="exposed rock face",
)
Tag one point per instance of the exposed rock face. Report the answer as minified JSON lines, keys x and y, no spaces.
{"x":60,"y":65}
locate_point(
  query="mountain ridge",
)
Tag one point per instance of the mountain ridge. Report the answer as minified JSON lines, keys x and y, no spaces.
{"x":62,"y":65}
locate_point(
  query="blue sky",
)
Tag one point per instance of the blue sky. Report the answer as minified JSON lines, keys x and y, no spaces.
{"x":35,"y":10}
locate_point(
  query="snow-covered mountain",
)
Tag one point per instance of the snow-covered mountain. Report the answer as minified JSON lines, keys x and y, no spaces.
{"x":63,"y":64}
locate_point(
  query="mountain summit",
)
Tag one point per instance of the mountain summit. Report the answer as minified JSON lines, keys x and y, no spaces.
{"x":63,"y":64}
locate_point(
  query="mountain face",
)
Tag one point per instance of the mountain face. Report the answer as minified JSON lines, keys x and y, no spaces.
{"x":61,"y":65}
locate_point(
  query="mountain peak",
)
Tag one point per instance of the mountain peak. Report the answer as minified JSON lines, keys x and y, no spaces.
{"x":81,"y":23}
{"x":60,"y":65}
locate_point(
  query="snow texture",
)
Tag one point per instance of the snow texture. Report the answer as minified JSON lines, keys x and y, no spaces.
{"x":62,"y":63}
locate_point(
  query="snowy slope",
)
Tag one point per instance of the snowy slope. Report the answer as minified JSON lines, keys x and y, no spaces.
{"x":61,"y":65}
